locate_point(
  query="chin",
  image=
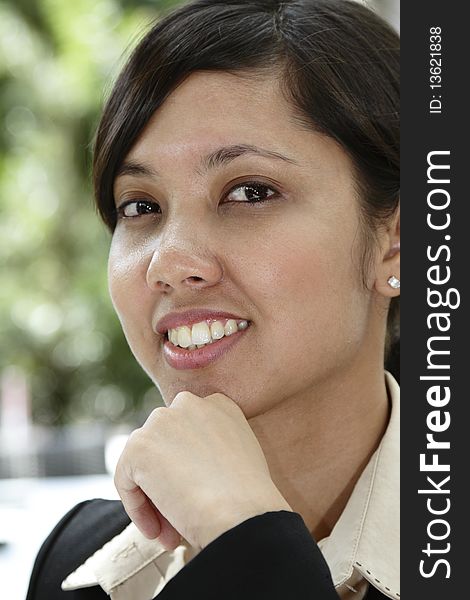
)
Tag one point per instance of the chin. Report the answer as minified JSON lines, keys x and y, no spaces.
{"x":199,"y":388}
{"x":203,"y":389}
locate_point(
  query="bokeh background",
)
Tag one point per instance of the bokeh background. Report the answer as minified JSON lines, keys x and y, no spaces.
{"x":70,"y":390}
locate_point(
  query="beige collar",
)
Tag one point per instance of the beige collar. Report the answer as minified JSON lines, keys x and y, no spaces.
{"x":370,"y":524}
{"x":363,"y":544}
{"x":130,"y":566}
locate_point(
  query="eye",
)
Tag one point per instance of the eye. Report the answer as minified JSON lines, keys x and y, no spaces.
{"x":137,"y":208}
{"x":251,"y":192}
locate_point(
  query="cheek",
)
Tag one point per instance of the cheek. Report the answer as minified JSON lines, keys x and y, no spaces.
{"x":126,"y":281}
{"x":132,"y":301}
{"x":311,"y":292}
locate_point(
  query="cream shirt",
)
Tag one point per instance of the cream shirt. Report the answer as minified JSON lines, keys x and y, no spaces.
{"x":362,"y":549}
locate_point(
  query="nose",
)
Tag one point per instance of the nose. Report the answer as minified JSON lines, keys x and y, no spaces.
{"x":174,"y":266}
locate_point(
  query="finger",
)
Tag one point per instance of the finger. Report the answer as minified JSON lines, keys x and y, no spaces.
{"x":169,"y":537}
{"x":141,"y":511}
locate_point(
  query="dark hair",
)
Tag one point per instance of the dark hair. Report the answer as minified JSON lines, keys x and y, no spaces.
{"x":339,"y":66}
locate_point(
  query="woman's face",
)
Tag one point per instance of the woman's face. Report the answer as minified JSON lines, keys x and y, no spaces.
{"x":290,"y":265}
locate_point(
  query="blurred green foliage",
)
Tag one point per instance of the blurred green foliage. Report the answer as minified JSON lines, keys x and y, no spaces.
{"x":57,"y":61}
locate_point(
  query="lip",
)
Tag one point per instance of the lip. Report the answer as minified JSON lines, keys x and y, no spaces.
{"x":181,"y":358}
{"x":189,"y":317}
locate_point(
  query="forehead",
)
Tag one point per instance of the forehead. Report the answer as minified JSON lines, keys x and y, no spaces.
{"x":230,"y":101}
{"x":210,"y":110}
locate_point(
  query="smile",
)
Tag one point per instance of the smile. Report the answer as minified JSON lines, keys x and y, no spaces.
{"x":204,"y":332}
{"x":209,"y":341}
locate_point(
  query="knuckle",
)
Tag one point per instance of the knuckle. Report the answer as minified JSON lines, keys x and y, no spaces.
{"x":134,"y":438}
{"x":219,"y":398}
{"x":159,"y":411}
{"x":183,"y":397}
{"x":135,"y":442}
{"x":216,"y":397}
{"x":119,"y":478}
{"x":223,"y":401}
{"x":156,"y":415}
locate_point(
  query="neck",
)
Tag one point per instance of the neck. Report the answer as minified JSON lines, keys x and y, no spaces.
{"x":318,"y":443}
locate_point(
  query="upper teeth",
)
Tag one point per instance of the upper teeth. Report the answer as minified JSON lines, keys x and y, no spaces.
{"x":204,"y":332}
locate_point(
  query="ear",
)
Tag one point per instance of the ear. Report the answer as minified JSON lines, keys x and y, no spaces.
{"x":389,"y":260}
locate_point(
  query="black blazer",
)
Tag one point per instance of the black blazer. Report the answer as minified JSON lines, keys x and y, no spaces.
{"x":271,"y":556}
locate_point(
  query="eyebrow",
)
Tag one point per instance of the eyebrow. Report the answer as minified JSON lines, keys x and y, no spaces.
{"x":226,"y":154}
{"x":136,"y":169}
{"x":213,"y":160}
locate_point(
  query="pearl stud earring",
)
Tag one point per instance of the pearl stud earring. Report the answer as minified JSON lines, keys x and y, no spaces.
{"x":394,"y":282}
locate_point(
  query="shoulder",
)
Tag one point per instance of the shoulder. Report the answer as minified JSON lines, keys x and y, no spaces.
{"x":83,"y":530}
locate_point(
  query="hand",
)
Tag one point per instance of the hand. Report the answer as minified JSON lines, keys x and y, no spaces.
{"x":195,"y":469}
